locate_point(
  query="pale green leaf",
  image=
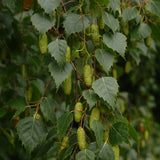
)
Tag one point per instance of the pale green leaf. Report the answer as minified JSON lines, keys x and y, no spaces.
{"x":144,"y":30}
{"x":58,"y":50}
{"x":104,"y":58}
{"x":85,"y":155}
{"x":141,"y":32}
{"x":63,"y":123}
{"x":116,"y":42}
{"x":47,"y":109}
{"x":98,"y":131}
{"x":60,"y":74}
{"x":107,"y":88}
{"x":110,"y":21}
{"x":114,"y":4}
{"x":91,"y":97}
{"x":129,"y":14}
{"x":42,"y":22}
{"x":106,"y":152}
{"x":73,"y":23}
{"x":118,"y":133}
{"x":154,"y":7}
{"x":49,"y":5}
{"x":31,"y":132}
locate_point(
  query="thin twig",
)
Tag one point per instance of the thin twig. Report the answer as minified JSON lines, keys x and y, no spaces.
{"x":38,"y":104}
{"x":76,"y":99}
{"x":63,"y":6}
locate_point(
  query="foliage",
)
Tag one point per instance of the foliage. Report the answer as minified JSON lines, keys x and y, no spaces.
{"x":99,"y":54}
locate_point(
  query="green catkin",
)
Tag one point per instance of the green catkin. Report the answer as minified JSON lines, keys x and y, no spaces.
{"x":81,"y":138}
{"x":88,"y":75}
{"x":78,"y":114}
{"x":43,"y":42}
{"x":95,"y":115}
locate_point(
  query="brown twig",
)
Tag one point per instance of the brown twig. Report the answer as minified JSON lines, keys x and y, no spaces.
{"x":84,"y":31}
{"x":76,"y":94}
{"x":63,"y":6}
{"x":38,"y":104}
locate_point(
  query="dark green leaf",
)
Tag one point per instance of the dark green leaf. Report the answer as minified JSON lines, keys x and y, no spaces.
{"x":19,"y":104}
{"x":31,"y":132}
{"x":63,"y":123}
{"x":107,"y":88}
{"x":47,"y":110}
{"x":118,"y":133}
{"x":133,"y":133}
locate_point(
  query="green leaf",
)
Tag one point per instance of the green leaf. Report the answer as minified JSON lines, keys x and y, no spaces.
{"x":68,"y":152}
{"x":116,"y":42}
{"x":63,"y":123}
{"x":85,"y":155}
{"x":118,"y":133}
{"x":103,"y":2}
{"x":114,"y":4}
{"x":60,"y":74}
{"x":104,"y":58}
{"x":107,"y":88}
{"x":49,"y":5}
{"x":115,"y":118}
{"x":106,"y":152}
{"x":141,"y":32}
{"x":110,"y":21}
{"x":19,"y":104}
{"x":47,"y":110}
{"x":3,"y":112}
{"x":129,"y":14}
{"x":98,"y":131}
{"x":144,"y":30}
{"x":92,"y":146}
{"x":31,"y":132}
{"x":154,"y":7}
{"x":133,"y":133}
{"x":73,"y":23}
{"x":95,"y":8}
{"x":42,"y":22}
{"x":91,"y":97}
{"x":58,"y":49}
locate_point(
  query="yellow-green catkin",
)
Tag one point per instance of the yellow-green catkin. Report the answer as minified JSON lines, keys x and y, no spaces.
{"x":67,"y":85}
{"x":68,"y":54}
{"x":78,"y":112}
{"x":81,"y":138}
{"x":88,"y":75}
{"x":95,"y":115}
{"x":43,"y":42}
